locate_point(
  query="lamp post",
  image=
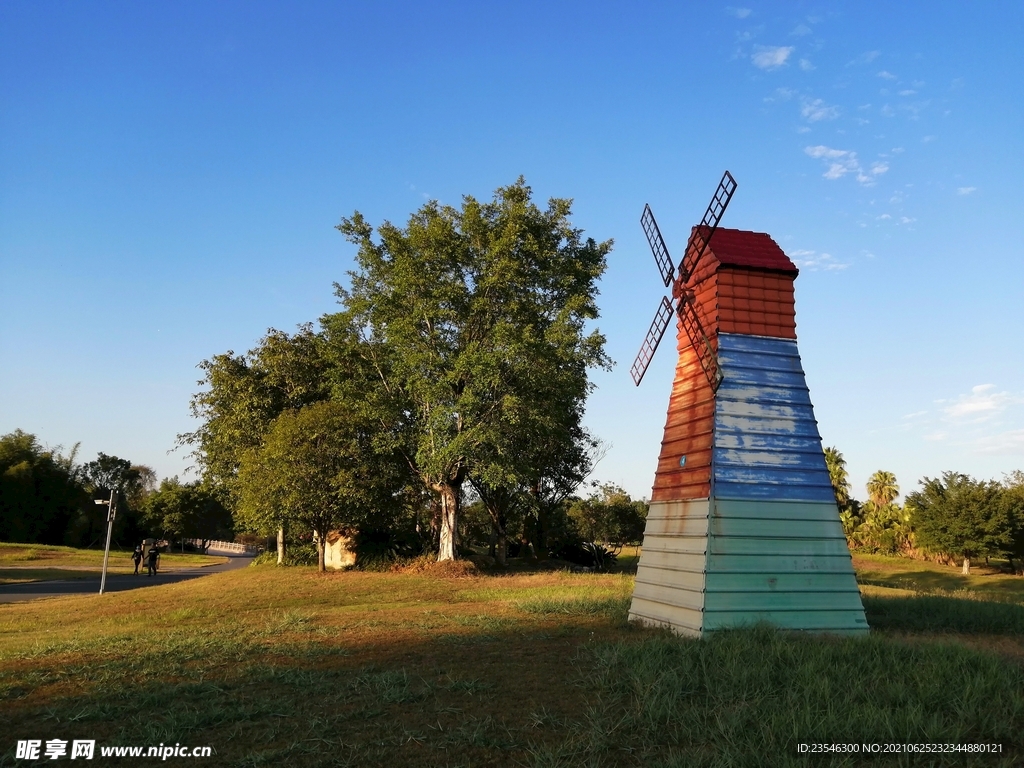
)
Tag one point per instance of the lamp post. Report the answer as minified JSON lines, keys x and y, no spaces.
{"x":111,"y":511}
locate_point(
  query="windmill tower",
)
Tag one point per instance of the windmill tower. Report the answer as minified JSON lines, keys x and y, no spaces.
{"x":743,"y":525}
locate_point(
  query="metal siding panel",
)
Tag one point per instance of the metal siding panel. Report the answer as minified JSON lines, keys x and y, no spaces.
{"x":805,"y":601}
{"x":783,"y":562}
{"x":690,"y":562}
{"x":825,"y":564}
{"x":679,"y":620}
{"x":669,"y":589}
{"x":771,"y":510}
{"x":852,"y":622}
{"x":795,"y":529}
{"x":767,"y":444}
{"x":736,"y":545}
{"x":794,"y":493}
{"x":771,"y":581}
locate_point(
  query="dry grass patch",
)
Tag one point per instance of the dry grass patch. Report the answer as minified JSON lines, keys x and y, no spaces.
{"x":284,"y":666}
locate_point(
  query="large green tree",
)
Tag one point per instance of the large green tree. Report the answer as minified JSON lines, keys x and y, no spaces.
{"x":459,"y":314}
{"x":882,"y":488}
{"x":187,"y":510}
{"x":838,"y":475}
{"x":40,"y":490}
{"x":1012,"y":503}
{"x":243,"y":394}
{"x":960,"y":516}
{"x":317,"y":468}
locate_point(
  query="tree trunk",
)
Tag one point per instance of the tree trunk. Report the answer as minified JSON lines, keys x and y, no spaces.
{"x":499,"y":536}
{"x":320,"y":546}
{"x":966,"y":570}
{"x":448,"y":543}
{"x":280,"y":545}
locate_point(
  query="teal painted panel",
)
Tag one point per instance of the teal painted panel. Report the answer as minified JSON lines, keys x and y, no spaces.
{"x":737,"y":545}
{"x":798,"y":601}
{"x":769,"y":528}
{"x":820,"y":621}
{"x":782,"y":510}
{"x":762,"y":563}
{"x":782,"y":581}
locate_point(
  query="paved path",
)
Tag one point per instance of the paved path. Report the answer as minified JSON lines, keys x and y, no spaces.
{"x":118,"y":582}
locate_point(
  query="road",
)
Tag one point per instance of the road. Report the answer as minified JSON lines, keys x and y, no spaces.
{"x":35,"y":590}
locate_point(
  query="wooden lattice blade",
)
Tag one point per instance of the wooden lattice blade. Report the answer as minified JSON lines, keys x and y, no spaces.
{"x":658,"y":247}
{"x":650,"y":345}
{"x":701,"y":236}
{"x":700,"y":342}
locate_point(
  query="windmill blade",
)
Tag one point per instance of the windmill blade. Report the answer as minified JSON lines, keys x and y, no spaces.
{"x":650,"y":345}
{"x":699,"y":341}
{"x":701,"y":236}
{"x":658,"y":248}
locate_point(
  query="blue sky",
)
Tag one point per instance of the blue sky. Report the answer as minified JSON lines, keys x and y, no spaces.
{"x":170,"y":176}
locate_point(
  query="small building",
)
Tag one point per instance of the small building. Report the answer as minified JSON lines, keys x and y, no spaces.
{"x":340,"y":550}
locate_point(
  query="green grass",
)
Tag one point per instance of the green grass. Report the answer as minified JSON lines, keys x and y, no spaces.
{"x":747,"y":697}
{"x":275,"y":666}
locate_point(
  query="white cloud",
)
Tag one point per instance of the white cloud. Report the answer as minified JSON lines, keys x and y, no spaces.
{"x":897,"y":150}
{"x":935,"y":437}
{"x":907,"y":92}
{"x":801,"y":30}
{"x":886,"y":75}
{"x":770,"y":57}
{"x":803,"y":129}
{"x":780,"y":94}
{"x":906,"y":220}
{"x":927,"y":139}
{"x":806,"y":65}
{"x":816,"y":109}
{"x":915,"y":414}
{"x":867,"y":57}
{"x":843,"y":161}
{"x":739,"y":13}
{"x":888,"y":111}
{"x":879,"y":168}
{"x":812,"y":261}
{"x":1004,"y":443}
{"x":884,"y":217}
{"x":966,"y":190}
{"x":981,"y":404}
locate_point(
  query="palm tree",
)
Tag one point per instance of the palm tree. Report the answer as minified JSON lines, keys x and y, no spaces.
{"x":837,"y":474}
{"x":882,"y":488}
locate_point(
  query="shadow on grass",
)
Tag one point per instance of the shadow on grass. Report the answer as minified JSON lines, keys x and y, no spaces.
{"x":944,"y":613}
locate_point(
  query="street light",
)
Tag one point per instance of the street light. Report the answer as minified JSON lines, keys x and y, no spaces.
{"x":111,"y":511}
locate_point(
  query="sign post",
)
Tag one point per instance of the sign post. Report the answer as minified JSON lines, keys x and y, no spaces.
{"x":111,"y":511}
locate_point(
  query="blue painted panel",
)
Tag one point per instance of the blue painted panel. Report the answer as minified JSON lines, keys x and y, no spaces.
{"x":775,"y":492}
{"x":767,"y":444}
{"x":757,"y":442}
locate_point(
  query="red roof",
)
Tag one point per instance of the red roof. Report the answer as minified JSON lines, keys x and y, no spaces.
{"x":739,"y":248}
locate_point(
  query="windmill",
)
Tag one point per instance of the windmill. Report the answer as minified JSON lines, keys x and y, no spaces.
{"x":743,"y":525}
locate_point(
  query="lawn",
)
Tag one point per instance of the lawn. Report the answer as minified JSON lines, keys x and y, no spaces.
{"x":36,"y":562}
{"x":274,"y":666}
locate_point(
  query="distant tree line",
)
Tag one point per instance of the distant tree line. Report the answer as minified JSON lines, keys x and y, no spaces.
{"x":953,"y":516}
{"x":441,"y":406}
{"x":48,"y":497}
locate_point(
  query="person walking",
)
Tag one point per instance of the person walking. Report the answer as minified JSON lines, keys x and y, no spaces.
{"x":137,"y":558}
{"x":152,"y":559}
